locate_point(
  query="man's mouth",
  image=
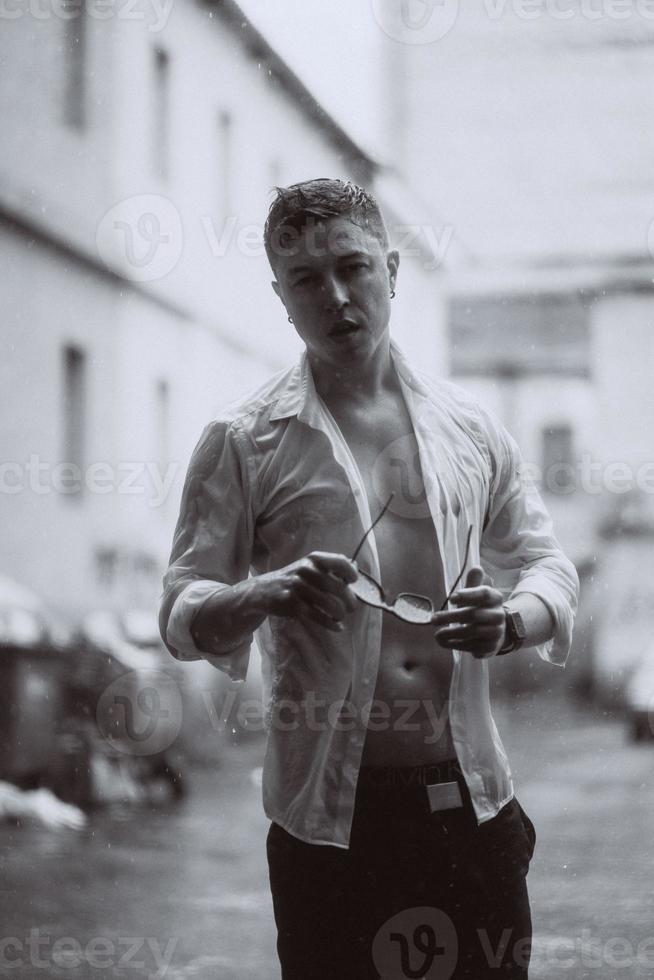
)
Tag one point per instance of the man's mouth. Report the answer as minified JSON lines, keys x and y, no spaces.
{"x":343,"y":328}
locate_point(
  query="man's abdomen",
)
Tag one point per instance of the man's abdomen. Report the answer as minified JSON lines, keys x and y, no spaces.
{"x":409,"y":723}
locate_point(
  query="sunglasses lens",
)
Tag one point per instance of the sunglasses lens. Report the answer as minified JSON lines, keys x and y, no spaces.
{"x":367,"y":590}
{"x":413,"y":608}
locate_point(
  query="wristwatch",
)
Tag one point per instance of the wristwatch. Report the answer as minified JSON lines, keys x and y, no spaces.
{"x":515,"y":632}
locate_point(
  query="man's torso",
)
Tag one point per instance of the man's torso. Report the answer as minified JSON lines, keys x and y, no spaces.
{"x":410,"y":725}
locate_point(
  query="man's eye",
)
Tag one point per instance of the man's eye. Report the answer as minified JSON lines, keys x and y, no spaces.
{"x":356,"y":266}
{"x":304,"y":281}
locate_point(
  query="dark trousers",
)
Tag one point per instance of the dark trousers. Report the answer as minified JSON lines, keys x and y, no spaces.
{"x":431,"y":896}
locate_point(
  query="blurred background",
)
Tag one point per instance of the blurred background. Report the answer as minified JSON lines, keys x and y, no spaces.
{"x":510,"y":147}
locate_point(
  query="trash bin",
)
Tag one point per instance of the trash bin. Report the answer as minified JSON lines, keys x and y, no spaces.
{"x":32,"y":700}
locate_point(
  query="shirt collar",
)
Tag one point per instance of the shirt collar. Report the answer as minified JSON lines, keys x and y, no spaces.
{"x":299,"y":394}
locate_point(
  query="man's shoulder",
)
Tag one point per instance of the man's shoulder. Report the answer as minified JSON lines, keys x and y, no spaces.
{"x":256,"y":406}
{"x":453,"y":399}
{"x":463,"y":412}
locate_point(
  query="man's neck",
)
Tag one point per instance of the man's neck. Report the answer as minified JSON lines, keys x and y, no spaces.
{"x":357,"y":384}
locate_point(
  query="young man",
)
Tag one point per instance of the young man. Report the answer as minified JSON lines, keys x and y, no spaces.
{"x":396,"y":848}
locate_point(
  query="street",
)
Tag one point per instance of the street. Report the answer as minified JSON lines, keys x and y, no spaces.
{"x":183,"y":893}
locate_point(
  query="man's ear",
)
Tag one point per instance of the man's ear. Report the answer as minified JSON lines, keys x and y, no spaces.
{"x":275,"y":286}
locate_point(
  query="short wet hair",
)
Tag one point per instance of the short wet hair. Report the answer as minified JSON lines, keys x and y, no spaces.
{"x":311,"y":201}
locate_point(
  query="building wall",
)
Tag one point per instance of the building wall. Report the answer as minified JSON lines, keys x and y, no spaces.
{"x":531,"y":127}
{"x":623,"y":365}
{"x":87,"y":209}
{"x":609,"y":408}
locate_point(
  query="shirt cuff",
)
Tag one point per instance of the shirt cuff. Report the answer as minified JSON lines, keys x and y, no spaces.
{"x":556,"y":649}
{"x":234,"y":661}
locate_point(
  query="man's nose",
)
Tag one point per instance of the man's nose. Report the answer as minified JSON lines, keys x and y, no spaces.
{"x":334,"y":294}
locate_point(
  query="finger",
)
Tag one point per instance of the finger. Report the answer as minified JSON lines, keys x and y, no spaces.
{"x":482,"y":595}
{"x":474,"y":577}
{"x":312,"y":614}
{"x":328,"y":582}
{"x":482,"y":652}
{"x":478,"y":648}
{"x":469,"y":614}
{"x":327,"y":603}
{"x":472,"y":634}
{"x":338,"y":564}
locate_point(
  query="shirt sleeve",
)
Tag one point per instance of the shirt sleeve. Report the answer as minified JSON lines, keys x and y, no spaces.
{"x":212,"y":546}
{"x":518,"y":547}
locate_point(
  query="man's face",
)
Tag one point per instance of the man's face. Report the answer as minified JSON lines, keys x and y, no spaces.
{"x":335,"y":279}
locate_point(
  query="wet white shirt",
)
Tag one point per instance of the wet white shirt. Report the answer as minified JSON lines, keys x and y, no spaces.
{"x":273,"y":479}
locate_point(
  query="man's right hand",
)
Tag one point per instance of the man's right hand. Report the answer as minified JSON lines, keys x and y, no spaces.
{"x":315,"y":588}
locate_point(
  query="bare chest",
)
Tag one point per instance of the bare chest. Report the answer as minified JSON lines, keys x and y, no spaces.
{"x":385,"y":448}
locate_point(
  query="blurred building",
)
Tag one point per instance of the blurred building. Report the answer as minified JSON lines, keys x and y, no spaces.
{"x":529,"y":122}
{"x":140,"y":144}
{"x":564,"y":355}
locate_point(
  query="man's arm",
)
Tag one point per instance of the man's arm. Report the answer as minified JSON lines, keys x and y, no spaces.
{"x":520,"y":553}
{"x":211,"y":549}
{"x":210,"y":608}
{"x":524,"y":565}
{"x":314,"y":588}
{"x":477,"y":623}
{"x":537,"y":619}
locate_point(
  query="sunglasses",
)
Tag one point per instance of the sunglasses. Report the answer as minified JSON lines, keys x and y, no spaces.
{"x":408,"y":606}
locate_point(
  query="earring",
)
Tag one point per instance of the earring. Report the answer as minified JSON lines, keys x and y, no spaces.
{"x":290,"y":319}
{"x":392,"y":294}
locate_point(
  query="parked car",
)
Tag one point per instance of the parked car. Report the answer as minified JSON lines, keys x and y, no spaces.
{"x":639,"y":699}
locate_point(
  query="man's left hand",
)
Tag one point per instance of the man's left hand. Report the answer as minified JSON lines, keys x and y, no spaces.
{"x":478,"y":624}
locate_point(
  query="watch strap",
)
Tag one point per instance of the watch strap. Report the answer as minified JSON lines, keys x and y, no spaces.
{"x":515,"y":632}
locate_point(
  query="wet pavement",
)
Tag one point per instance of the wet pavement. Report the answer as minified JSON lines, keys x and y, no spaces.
{"x":182,"y":892}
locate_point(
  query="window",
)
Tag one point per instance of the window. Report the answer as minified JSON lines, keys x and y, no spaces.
{"x":224,"y":161}
{"x":161,"y":114}
{"x":74,"y":420}
{"x":75,"y":43}
{"x":558,"y":459}
{"x":274,"y":173}
{"x":162,"y":422}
